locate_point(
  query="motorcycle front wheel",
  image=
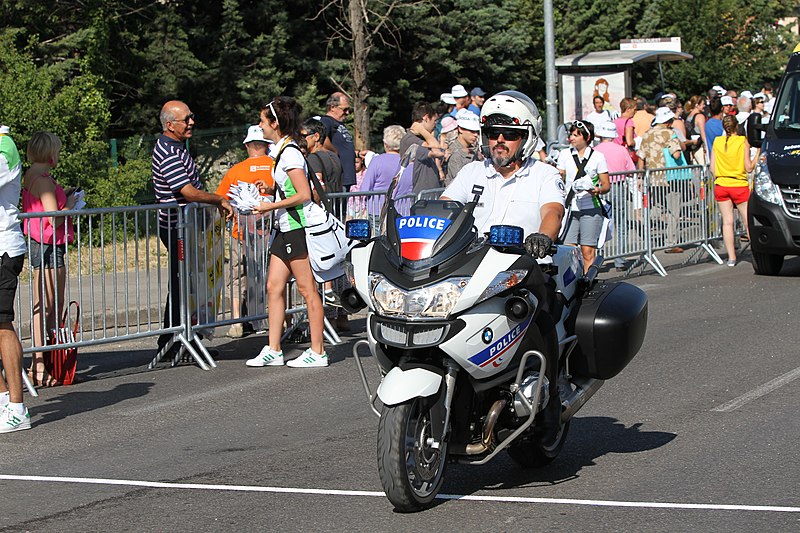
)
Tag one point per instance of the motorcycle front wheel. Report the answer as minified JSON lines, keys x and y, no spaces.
{"x":412,"y":453}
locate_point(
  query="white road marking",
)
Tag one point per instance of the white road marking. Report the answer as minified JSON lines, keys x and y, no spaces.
{"x":470,"y":497}
{"x":758,"y":392}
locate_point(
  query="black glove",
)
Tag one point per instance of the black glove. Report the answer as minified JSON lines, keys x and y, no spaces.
{"x":538,"y":245}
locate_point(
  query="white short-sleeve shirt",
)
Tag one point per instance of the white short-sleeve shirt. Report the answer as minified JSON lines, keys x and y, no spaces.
{"x":515,"y":201}
{"x":595,"y":166}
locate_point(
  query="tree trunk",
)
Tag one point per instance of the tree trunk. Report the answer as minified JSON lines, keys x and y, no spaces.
{"x":358,"y":68}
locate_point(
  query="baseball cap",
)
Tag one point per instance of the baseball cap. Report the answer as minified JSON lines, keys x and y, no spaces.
{"x":477,"y":91}
{"x":448,"y":124}
{"x":759,"y":94}
{"x":726,"y":100}
{"x":447,"y":98}
{"x":746,"y":94}
{"x":663,"y":114}
{"x":254,"y":133}
{"x":458,"y":91}
{"x":720,"y":90}
{"x":5,"y":130}
{"x":606,"y":129}
{"x":468,"y":120}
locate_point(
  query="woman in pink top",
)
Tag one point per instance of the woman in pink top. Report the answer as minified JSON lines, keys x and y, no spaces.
{"x":40,"y":192}
{"x":624,"y":124}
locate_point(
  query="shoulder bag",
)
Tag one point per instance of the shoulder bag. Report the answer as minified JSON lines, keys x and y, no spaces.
{"x":326,"y":241}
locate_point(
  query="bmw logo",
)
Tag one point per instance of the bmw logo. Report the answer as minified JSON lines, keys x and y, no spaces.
{"x":488,"y":335}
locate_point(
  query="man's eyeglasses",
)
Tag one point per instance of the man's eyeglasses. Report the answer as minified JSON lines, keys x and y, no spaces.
{"x":508,"y":134}
{"x":189,"y":117}
{"x":345,"y":110}
{"x":307,"y":133}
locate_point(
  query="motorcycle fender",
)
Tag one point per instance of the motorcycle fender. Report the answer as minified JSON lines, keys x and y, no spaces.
{"x":399,"y":385}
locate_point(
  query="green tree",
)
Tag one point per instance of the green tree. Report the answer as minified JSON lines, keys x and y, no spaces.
{"x":36,"y":98}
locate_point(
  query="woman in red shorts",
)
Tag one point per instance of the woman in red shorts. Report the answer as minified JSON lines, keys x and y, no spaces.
{"x":730,"y":163}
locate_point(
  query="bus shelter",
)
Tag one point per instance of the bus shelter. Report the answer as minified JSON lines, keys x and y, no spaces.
{"x":606,"y":73}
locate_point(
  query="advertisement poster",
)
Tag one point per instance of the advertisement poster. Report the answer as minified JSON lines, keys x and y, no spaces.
{"x":578,"y":90}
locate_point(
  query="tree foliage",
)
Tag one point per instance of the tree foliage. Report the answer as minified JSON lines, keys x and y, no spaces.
{"x":91,"y":70}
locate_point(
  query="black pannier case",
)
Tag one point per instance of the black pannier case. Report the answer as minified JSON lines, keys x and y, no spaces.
{"x":610,"y":325}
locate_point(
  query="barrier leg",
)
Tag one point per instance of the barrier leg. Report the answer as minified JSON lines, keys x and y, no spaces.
{"x":330,"y":333}
{"x":28,"y":385}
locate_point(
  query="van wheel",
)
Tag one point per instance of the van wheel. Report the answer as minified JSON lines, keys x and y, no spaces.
{"x":767,"y":264}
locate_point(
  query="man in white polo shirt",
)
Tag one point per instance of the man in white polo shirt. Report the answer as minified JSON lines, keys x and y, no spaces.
{"x":518,"y":189}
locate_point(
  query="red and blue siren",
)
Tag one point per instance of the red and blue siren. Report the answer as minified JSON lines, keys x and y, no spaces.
{"x":418,"y":234}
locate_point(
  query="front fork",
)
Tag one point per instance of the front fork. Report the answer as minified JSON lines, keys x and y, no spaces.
{"x":449,"y":392}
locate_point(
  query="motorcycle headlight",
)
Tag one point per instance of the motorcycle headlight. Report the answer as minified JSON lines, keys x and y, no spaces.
{"x":501,"y":282}
{"x":434,"y":301}
{"x":763,"y":185}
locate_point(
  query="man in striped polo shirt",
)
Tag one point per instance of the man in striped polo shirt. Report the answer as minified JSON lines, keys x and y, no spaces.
{"x":176,"y":179}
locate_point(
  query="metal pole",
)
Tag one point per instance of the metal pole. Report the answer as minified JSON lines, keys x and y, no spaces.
{"x":550,"y":72}
{"x":661,"y":75}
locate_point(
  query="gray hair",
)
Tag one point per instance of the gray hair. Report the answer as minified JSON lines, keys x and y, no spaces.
{"x":744,"y":104}
{"x":334,"y":100}
{"x":166,"y":116}
{"x":392,"y":135}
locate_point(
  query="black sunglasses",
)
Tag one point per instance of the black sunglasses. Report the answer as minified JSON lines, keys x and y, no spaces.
{"x":508,"y":134}
{"x":189,"y":117}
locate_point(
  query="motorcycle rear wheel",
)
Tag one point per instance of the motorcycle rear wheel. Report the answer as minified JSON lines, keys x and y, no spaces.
{"x":410,"y":468}
{"x":535,"y":452}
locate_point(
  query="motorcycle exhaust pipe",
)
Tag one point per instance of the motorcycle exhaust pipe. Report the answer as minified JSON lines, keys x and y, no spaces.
{"x":487,"y":438}
{"x":584,"y":389}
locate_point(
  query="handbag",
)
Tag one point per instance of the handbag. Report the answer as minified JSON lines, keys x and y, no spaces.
{"x":671,"y":162}
{"x":326,"y":240}
{"x":61,"y":362}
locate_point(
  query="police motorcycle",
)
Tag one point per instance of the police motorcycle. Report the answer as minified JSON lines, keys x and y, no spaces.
{"x":481,"y":347}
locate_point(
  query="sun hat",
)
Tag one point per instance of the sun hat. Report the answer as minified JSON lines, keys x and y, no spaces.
{"x":447,"y":98}
{"x":458,"y":91}
{"x":254,"y":133}
{"x":663,"y":114}
{"x":606,"y":129}
{"x":448,"y":124}
{"x":468,"y":120}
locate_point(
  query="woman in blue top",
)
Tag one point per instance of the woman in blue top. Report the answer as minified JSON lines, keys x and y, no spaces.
{"x":280,"y":121}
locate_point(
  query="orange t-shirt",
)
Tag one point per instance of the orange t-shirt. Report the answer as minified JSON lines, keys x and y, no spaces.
{"x":250,"y":170}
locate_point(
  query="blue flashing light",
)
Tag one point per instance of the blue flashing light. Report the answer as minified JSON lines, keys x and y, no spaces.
{"x":511,"y":236}
{"x":358,"y":229}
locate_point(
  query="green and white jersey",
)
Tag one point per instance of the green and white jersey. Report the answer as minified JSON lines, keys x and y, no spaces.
{"x":11,"y":239}
{"x":290,"y":158}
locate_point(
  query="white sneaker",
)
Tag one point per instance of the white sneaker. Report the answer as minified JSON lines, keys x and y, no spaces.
{"x":266,"y":358}
{"x":309,"y":359}
{"x":11,"y":421}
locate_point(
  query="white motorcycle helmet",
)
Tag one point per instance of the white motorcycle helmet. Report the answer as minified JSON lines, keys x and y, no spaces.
{"x":512,"y":109}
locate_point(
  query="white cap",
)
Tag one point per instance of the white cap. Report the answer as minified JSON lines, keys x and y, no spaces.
{"x":726,"y":100}
{"x":254,"y":133}
{"x":468,"y":120}
{"x":4,"y":130}
{"x":458,"y":91}
{"x":607,"y":129}
{"x":720,"y":90}
{"x":663,"y":114}
{"x":759,"y":94}
{"x":447,"y":98}
{"x":747,"y":94}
